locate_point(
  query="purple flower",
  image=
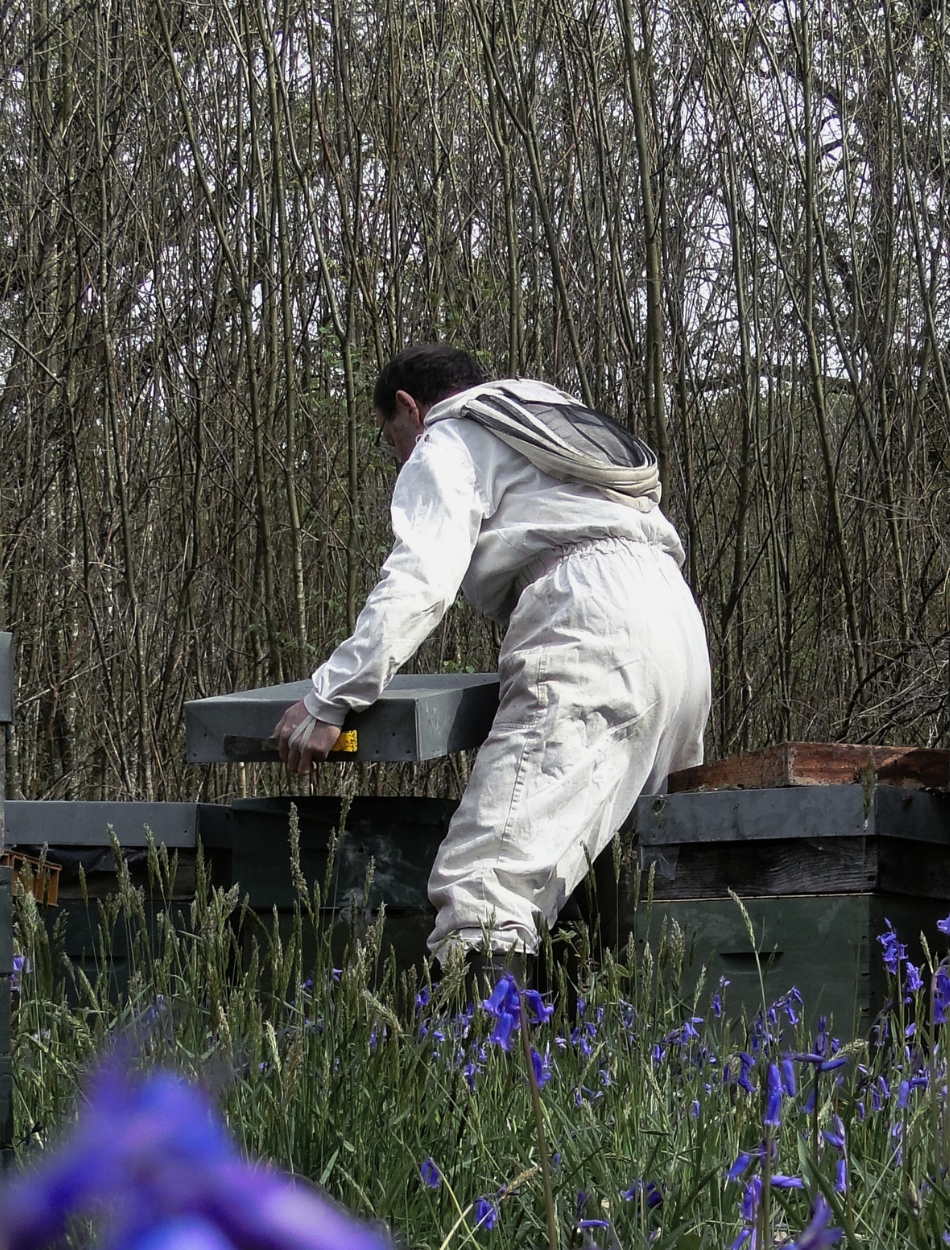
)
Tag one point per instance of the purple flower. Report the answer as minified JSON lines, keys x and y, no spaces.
{"x":430,"y":1174}
{"x":504,"y":997}
{"x":638,"y":1191}
{"x":751,"y":1198}
{"x":941,"y":994}
{"x":944,"y":925}
{"x":541,"y":1011}
{"x":149,"y":1160}
{"x":841,"y":1176}
{"x":894,"y":951}
{"x":593,"y":1224}
{"x":542,"y":1066}
{"x":912,"y":978}
{"x":738,"y":1167}
{"x":836,"y":1137}
{"x":505,"y":1025}
{"x":788,"y":1077}
{"x":21,"y":967}
{"x":786,"y":1182}
{"x":774,"y":1101}
{"x":486,"y":1213}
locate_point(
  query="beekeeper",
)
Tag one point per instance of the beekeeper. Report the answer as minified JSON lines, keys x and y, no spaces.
{"x":546,"y":515}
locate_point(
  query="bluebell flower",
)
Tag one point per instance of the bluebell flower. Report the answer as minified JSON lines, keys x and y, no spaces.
{"x":650,"y":1193}
{"x":21,"y":967}
{"x":912,"y":978}
{"x":841,"y":1176}
{"x":542,"y":1066}
{"x":751,"y":1197}
{"x":821,"y":1037}
{"x":593,"y":1224}
{"x":504,"y":997}
{"x":430,"y":1173}
{"x":788,"y":1077}
{"x":747,"y":1063}
{"x":786,"y":1182}
{"x":486,"y":1213}
{"x":505,"y":1024}
{"x":941,"y":994}
{"x":149,"y":1158}
{"x":835,"y":1136}
{"x":541,"y":1012}
{"x":894,"y":952}
{"x":740,"y":1165}
{"x":773,"y":1103}
{"x":944,"y":925}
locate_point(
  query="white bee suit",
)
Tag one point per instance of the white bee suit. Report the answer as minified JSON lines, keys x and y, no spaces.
{"x":604,"y":671}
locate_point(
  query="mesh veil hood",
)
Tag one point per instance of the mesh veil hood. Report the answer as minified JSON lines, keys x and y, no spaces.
{"x":561,"y":437}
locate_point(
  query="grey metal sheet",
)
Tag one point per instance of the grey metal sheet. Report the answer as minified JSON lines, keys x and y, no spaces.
{"x":74,"y":823}
{"x":6,"y":679}
{"x":419,"y":717}
{"x":793,"y":812}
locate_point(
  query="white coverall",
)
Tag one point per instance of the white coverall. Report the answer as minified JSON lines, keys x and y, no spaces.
{"x":604,"y":670}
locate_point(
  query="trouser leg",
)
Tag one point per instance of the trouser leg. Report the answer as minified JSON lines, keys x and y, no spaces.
{"x":604,"y":691}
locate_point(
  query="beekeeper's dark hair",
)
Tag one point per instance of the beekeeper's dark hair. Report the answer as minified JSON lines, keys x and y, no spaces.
{"x":428,"y":372}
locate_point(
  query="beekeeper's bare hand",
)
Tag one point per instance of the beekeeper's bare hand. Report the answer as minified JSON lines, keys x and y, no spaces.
{"x":303,"y":740}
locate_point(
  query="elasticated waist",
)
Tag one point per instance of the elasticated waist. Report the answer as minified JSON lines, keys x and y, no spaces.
{"x":545,"y":561}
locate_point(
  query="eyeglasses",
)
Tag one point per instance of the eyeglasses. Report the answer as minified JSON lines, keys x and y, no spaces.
{"x":386,"y":448}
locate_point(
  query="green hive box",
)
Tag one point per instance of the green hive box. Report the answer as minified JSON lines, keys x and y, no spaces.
{"x":825,"y":945}
{"x":820,"y":870}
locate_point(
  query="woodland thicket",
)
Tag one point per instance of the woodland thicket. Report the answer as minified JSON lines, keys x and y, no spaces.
{"x":725,"y":222}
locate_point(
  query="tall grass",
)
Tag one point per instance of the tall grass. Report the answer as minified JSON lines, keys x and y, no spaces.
{"x":668,"y":1122}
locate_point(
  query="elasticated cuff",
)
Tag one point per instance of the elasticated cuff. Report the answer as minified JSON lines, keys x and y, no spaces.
{"x":326,"y":712}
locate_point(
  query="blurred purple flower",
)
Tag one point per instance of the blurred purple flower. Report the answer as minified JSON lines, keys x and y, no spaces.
{"x":817,"y":1236}
{"x":944,"y":925}
{"x":148,"y":1158}
{"x":191,"y":1233}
